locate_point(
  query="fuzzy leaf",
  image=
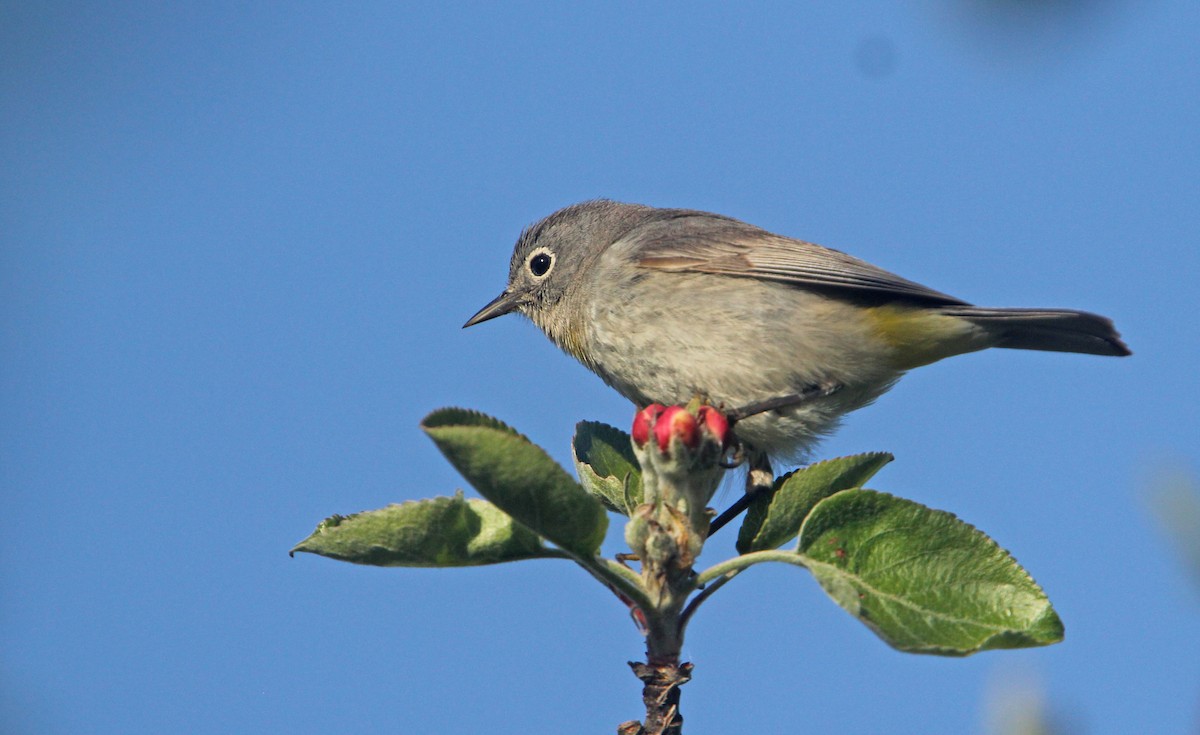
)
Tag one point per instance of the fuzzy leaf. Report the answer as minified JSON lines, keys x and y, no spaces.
{"x":923,"y":580}
{"x":519,"y":477}
{"x":774,"y":519}
{"x":439,"y":532}
{"x":606,"y":465}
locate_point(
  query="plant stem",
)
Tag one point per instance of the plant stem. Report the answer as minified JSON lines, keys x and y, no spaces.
{"x":660,"y":694}
{"x":662,"y":674}
{"x":680,"y":472}
{"x":699,"y":599}
{"x":616,"y":577}
{"x":738,"y":563}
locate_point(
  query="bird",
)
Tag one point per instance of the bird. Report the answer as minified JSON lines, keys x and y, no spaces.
{"x":666,"y":305}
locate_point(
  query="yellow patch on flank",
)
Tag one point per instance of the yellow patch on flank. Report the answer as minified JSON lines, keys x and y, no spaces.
{"x":921,"y":336}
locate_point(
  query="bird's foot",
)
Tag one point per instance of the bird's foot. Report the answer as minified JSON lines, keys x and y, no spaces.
{"x":759,"y":479}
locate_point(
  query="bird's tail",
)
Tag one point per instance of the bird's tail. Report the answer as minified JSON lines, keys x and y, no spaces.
{"x":1057,"y":330}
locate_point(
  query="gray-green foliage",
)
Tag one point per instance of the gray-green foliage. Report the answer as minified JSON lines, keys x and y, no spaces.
{"x":921,"y":579}
{"x":606,"y":466}
{"x":519,"y":477}
{"x":439,"y":532}
{"x":774,"y":519}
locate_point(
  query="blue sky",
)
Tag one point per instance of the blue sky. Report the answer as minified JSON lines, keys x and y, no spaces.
{"x":238,"y":242}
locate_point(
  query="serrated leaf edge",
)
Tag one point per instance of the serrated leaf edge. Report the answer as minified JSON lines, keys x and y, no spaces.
{"x":812,"y":564}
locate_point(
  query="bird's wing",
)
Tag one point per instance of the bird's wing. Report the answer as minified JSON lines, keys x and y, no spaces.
{"x":702,"y":243}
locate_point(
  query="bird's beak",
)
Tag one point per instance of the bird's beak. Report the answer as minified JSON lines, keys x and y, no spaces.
{"x":499,"y":306}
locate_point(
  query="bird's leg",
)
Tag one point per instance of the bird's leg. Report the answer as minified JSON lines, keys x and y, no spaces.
{"x":760,"y":478}
{"x":812,"y":392}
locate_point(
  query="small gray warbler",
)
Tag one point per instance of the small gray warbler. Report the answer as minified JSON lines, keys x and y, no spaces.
{"x":669,"y":304}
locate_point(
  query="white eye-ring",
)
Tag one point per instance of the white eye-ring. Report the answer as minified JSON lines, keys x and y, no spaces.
{"x":540,"y":262}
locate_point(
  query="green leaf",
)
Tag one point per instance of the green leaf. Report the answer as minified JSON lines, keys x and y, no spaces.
{"x":520,"y":478}
{"x":440,"y":532}
{"x":606,"y":465}
{"x":923,"y":580}
{"x":775,"y":518}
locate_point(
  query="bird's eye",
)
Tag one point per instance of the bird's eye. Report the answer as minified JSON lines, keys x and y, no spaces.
{"x":539,"y":264}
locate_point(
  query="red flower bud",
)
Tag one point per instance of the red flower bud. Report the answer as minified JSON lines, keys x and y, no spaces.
{"x":643,"y":421}
{"x":715,"y":423}
{"x":676,"y":421}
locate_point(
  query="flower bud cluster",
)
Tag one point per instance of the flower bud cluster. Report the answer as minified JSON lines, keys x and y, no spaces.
{"x":677,"y":423}
{"x":680,"y":449}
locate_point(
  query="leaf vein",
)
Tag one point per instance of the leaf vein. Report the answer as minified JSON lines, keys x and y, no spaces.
{"x":832,"y":570}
